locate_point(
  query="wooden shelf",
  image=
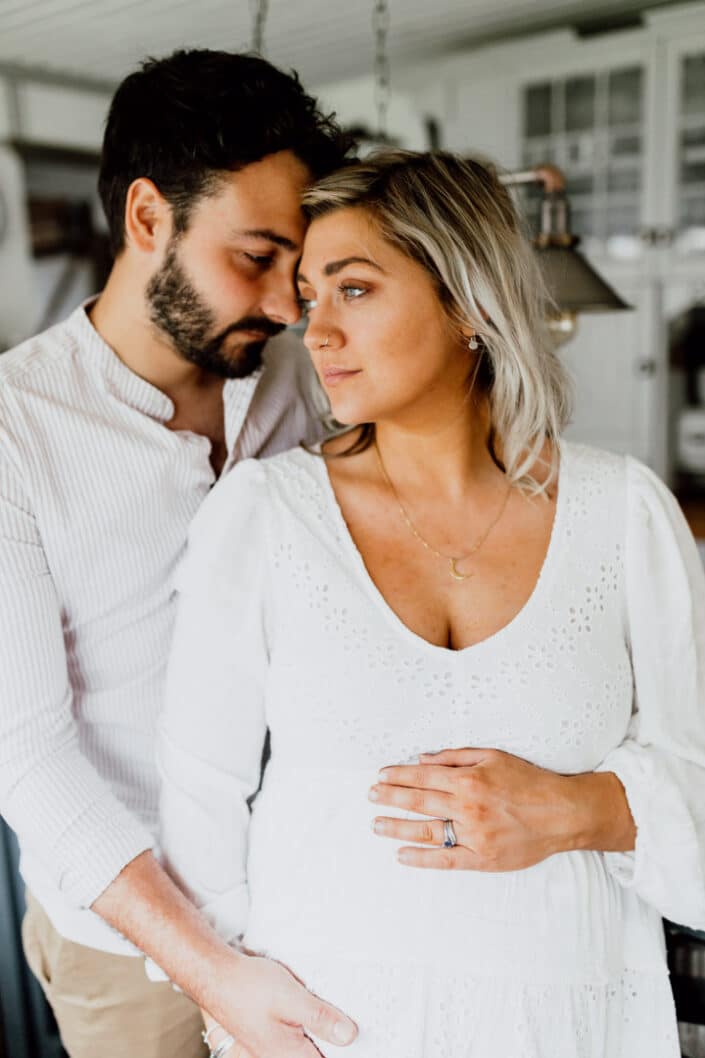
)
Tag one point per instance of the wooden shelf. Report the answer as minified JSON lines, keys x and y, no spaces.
{"x":694,"y":510}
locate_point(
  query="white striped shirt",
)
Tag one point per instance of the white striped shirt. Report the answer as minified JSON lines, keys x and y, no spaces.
{"x":96,"y":496}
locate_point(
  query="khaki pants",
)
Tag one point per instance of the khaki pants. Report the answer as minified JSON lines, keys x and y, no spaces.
{"x":105,"y":1004}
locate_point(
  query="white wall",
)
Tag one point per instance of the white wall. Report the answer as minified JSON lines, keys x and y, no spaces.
{"x":354,"y":103}
{"x":18,"y":295}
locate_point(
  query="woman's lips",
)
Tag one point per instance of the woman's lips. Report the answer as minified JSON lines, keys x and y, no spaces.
{"x":332,"y":376}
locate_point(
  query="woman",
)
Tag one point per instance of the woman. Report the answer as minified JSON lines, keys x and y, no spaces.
{"x":448,"y":575}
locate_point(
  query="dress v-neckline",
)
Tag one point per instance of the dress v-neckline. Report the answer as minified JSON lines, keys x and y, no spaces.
{"x":495,"y":638}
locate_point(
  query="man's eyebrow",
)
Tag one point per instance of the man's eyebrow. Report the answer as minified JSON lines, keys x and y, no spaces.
{"x":271,"y":236}
{"x":333,"y":267}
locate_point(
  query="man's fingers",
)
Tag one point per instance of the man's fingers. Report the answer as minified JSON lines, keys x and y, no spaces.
{"x":238,"y":1051}
{"x":325,"y":1021}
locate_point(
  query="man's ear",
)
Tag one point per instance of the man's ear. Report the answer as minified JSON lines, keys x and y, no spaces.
{"x":147,"y":217}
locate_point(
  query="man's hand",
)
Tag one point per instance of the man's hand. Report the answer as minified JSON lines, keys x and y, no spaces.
{"x":507,"y":814}
{"x":268,"y":1011}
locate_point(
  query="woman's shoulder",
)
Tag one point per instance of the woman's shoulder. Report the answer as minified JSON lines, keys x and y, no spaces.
{"x":622,"y":498}
{"x":596,"y":471}
{"x":593,"y":468}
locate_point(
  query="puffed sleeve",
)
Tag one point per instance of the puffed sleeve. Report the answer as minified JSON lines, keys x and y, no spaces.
{"x":213,"y":725}
{"x":661,"y":762}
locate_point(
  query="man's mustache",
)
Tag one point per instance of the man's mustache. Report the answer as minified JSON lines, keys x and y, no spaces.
{"x":258,"y":324}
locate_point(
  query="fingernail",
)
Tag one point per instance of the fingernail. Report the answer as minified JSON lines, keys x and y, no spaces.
{"x":429,"y":753}
{"x":403,"y":856}
{"x":343,"y":1032}
{"x":378,"y":826}
{"x":373,"y":794}
{"x":383,"y":775}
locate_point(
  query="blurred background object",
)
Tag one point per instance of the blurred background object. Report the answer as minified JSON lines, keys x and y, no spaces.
{"x":574,"y":285}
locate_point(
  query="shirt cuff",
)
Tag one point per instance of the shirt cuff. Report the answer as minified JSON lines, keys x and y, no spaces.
{"x":97,"y":847}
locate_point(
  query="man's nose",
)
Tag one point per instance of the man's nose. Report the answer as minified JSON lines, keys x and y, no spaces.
{"x":281,"y":302}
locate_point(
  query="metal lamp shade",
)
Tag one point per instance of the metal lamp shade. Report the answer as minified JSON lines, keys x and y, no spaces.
{"x":573,"y":284}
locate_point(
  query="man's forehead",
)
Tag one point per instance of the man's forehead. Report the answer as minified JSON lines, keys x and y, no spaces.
{"x":270,"y":234}
{"x":271,"y":176}
{"x":264,"y":200}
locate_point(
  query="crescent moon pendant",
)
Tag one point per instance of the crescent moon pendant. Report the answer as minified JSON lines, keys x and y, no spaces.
{"x":455,"y":572}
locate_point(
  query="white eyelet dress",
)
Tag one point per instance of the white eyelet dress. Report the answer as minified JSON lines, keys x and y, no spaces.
{"x":281,"y":627}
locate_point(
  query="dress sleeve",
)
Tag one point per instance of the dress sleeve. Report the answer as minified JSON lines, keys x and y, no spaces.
{"x":213,"y":726}
{"x":661,"y":762}
{"x":62,"y":810}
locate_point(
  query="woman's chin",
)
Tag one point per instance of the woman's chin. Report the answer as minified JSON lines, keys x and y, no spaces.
{"x":348,"y":414}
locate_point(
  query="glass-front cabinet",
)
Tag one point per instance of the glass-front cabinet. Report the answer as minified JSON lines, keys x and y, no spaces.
{"x":689,"y":219}
{"x":592,"y":126}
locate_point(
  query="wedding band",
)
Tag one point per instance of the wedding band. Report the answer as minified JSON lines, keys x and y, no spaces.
{"x":449,"y":838}
{"x":219,"y":1050}
{"x":223,"y":1047}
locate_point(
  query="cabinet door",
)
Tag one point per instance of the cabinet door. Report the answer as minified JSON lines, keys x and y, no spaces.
{"x":618,"y":365}
{"x":592,"y":125}
{"x":684,"y":147}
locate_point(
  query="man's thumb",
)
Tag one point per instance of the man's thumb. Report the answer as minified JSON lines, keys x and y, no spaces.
{"x":325,"y":1021}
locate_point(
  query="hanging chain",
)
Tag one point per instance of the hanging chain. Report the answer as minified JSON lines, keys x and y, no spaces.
{"x":259,"y":17}
{"x":380,"y":25}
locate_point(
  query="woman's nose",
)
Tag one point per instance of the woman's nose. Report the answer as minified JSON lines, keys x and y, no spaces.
{"x":319,"y":335}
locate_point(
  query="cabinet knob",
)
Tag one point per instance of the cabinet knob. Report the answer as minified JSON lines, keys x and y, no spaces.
{"x":646,"y":368}
{"x":657,"y":236}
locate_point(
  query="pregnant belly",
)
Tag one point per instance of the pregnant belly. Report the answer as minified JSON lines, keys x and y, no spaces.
{"x":321,"y":881}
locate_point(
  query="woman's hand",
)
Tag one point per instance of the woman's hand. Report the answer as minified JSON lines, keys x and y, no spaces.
{"x":507,"y":814}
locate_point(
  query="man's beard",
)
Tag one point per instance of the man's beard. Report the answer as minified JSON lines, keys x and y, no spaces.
{"x":180,"y":312}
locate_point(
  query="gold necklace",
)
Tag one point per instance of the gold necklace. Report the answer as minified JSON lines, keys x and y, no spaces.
{"x":452,"y":560}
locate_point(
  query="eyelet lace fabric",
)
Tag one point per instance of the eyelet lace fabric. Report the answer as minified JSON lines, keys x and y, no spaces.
{"x":562,"y":960}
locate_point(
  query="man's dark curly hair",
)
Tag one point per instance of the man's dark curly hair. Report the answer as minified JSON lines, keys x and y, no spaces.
{"x":183,"y":120}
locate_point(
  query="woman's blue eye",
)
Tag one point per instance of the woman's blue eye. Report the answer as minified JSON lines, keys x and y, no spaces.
{"x":351,"y":292}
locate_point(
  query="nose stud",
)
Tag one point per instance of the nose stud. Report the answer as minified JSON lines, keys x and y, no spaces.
{"x":324,"y":345}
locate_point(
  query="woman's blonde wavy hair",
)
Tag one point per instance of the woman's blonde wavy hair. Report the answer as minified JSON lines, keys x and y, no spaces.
{"x":454,"y":217}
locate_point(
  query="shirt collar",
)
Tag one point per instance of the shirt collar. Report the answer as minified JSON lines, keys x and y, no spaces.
{"x":136,"y":392}
{"x":118,"y":379}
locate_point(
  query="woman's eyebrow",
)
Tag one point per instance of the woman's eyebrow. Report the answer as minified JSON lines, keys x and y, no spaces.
{"x":333,"y":267}
{"x":336,"y":266}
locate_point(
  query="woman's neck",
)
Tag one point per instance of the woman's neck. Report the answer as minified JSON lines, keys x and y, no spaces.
{"x":452,"y":460}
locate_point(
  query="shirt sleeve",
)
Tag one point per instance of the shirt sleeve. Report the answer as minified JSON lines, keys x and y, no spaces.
{"x":661,"y":762}
{"x":213,"y":725}
{"x":50,"y":794}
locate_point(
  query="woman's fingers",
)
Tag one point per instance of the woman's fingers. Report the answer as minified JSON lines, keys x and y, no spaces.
{"x":423,"y":802}
{"x":454,"y":757}
{"x":421,"y":832}
{"x":456,"y":859}
{"x":419,"y":777}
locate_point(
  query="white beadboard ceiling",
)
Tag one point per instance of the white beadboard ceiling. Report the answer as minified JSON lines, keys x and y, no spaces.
{"x":325,"y":40}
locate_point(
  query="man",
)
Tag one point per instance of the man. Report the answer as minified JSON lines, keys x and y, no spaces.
{"x":113,"y":427}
